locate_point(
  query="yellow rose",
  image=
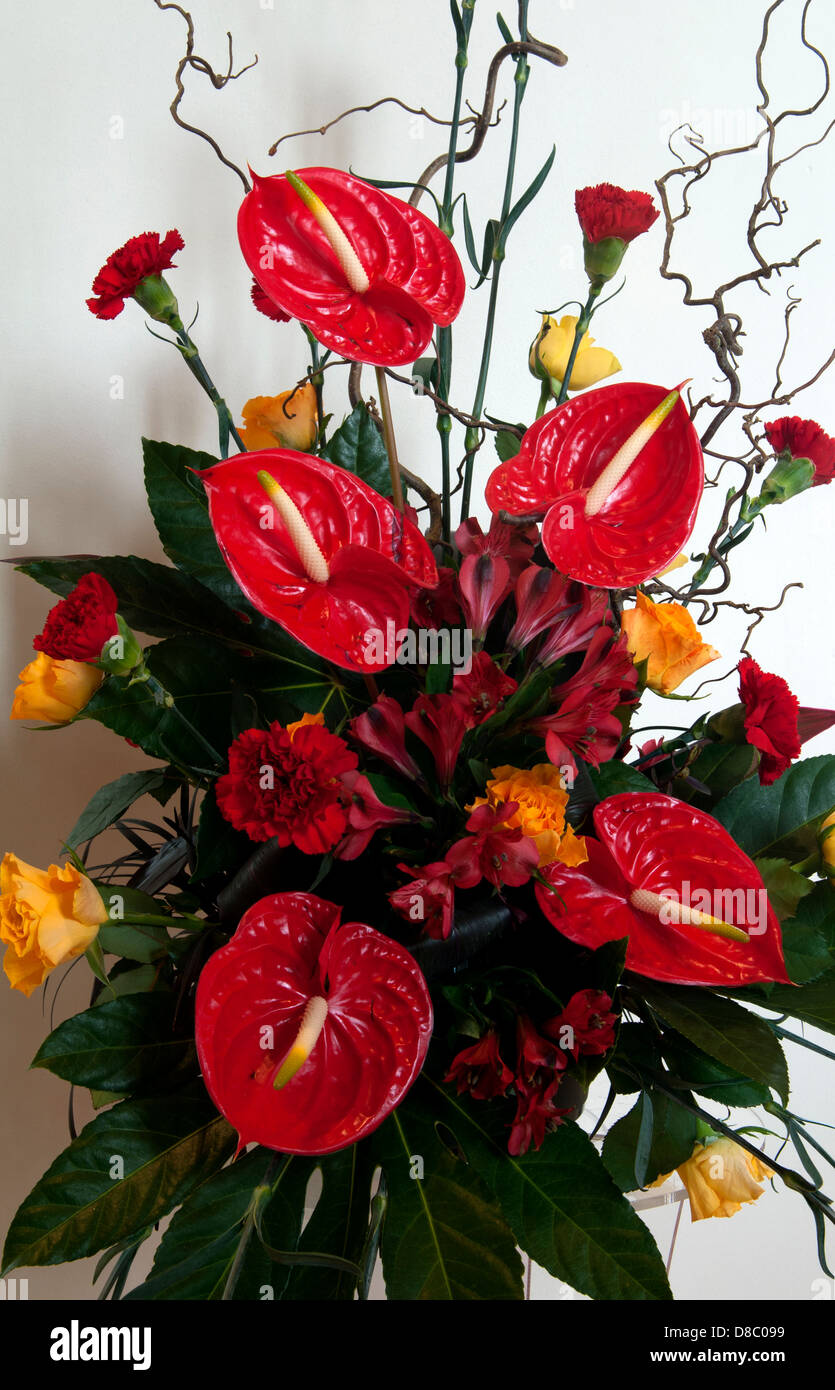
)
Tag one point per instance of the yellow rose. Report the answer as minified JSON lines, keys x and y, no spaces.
{"x":287,"y":421}
{"x":46,"y":916}
{"x":551,"y":349}
{"x":542,"y":800}
{"x":54,"y":691}
{"x":665,"y":635}
{"x":719,"y":1177}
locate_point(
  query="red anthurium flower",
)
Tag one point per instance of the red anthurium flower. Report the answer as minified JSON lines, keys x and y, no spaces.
{"x":480,"y":1069}
{"x":77,"y":628}
{"x":672,"y":880}
{"x":287,"y":786}
{"x":771,"y":714}
{"x":366,"y":814}
{"x":429,"y":899}
{"x":804,"y":439}
{"x":369,"y":275}
{"x":536,"y":1115}
{"x":617,"y":473}
{"x":382,"y":731}
{"x":482,"y":690}
{"x":125,"y":269}
{"x":318,"y":551}
{"x":514,"y":543}
{"x":492,"y":850}
{"x":439,"y":722}
{"x":484,"y":581}
{"x":585,"y":1025}
{"x":309,"y":1033}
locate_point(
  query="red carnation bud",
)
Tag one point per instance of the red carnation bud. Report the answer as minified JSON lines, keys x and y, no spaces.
{"x":610,"y":218}
{"x":804,"y":439}
{"x":135,"y":272}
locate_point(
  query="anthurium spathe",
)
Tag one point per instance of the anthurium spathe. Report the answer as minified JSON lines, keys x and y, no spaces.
{"x":309,"y":1032}
{"x":551,"y":350}
{"x":368,"y":274}
{"x":671,"y":879}
{"x":617,"y":474}
{"x":318,"y":551}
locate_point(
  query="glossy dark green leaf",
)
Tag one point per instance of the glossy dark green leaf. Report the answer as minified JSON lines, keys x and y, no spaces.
{"x":612,"y":778}
{"x":784,"y":885}
{"x":112,"y":800}
{"x":123,"y":1045}
{"x":561,"y":1204}
{"x":507,"y":444}
{"x":721,"y":767}
{"x":337,"y":1226}
{"x":358,"y":446}
{"x":81,"y":1205}
{"x":706,"y":1076}
{"x":781,"y":821}
{"x":220,"y":848}
{"x":671,"y":1136}
{"x":811,"y":1003}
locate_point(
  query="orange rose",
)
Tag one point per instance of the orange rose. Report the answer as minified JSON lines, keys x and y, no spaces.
{"x":541,"y":798}
{"x":665,"y":635}
{"x":46,"y":916}
{"x":54,"y":691}
{"x":287,"y":421}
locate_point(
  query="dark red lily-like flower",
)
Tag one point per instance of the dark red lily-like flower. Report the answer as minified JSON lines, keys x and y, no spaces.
{"x":482,"y":690}
{"x":78,"y":626}
{"x":484,"y":581}
{"x":309,"y":1033}
{"x":265,"y":306}
{"x":381,"y":729}
{"x":618,"y":491}
{"x":318,"y":551}
{"x":441,"y":606}
{"x":536,"y":1054}
{"x":125,"y":269}
{"x":541,"y":597}
{"x":438,"y":721}
{"x":537,"y":1114}
{"x":480,"y":1070}
{"x":583,"y":721}
{"x":369,"y":275}
{"x":605,"y":210}
{"x":671,"y":879}
{"x":429,"y":899}
{"x":493,"y":850}
{"x":804,"y":439}
{"x":512,"y":542}
{"x":288,"y":786}
{"x":586,"y":1026}
{"x":770,"y":720}
{"x":589,"y":612}
{"x":366,"y":814}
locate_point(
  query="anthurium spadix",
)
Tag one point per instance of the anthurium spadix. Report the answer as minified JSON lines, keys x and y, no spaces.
{"x":368,"y":274}
{"x":318,"y":551}
{"x":309,"y":1032}
{"x":617,"y":473}
{"x":671,"y":879}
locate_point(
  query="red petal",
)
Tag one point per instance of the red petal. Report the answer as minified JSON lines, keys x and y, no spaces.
{"x":658,"y":843}
{"x":372,"y":1045}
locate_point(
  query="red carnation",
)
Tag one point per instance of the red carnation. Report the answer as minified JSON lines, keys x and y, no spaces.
{"x":265,"y":306}
{"x":480,"y":1069}
{"x":804,"y":439}
{"x":606,"y":210}
{"x":771,"y":712}
{"x":286,"y":786}
{"x":122,"y":272}
{"x":77,"y":628}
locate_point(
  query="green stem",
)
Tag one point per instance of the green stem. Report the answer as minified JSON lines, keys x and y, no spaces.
{"x":748,"y":513}
{"x":165,"y":700}
{"x":544,"y":398}
{"x":318,"y":382}
{"x":580,"y":331}
{"x":388,"y":436}
{"x":191,"y":357}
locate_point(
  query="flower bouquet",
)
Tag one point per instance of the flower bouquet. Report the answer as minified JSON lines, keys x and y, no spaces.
{"x":415,"y":885}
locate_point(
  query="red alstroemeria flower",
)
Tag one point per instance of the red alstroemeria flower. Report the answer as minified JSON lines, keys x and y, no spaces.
{"x":287,"y":786}
{"x":541,"y":598}
{"x":438,"y":721}
{"x":126,"y":268}
{"x":513,"y":543}
{"x":265,"y":306}
{"x":644,"y":520}
{"x":372,"y":284}
{"x":536,"y":1115}
{"x":338,"y":580}
{"x":589,"y":612}
{"x":381,"y":729}
{"x":441,"y":606}
{"x":771,"y":714}
{"x":480,"y":1070}
{"x":804,"y":439}
{"x":585,"y":1025}
{"x":482,"y":690}
{"x":584,"y":721}
{"x":605,"y":210}
{"x":309,"y":1033}
{"x":536,"y":1055}
{"x":78,"y":626}
{"x":657,"y":870}
{"x":485,"y":582}
{"x":429,"y":899}
{"x":366,"y":814}
{"x":493,"y":850}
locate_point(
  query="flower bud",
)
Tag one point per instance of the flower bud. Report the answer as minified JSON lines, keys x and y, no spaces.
{"x":729,"y":725}
{"x":156,"y":297}
{"x":602,"y":258}
{"x":121,"y":653}
{"x":788,"y":477}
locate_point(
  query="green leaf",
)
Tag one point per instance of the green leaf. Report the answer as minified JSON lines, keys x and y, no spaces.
{"x":507,"y":444}
{"x":721,"y":767}
{"x":195,"y":1256}
{"x":358,"y":446}
{"x":784,"y":886}
{"x":614,"y":777}
{"x":706,"y":1076}
{"x":180,"y":509}
{"x":812,"y":1003}
{"x":724,"y":1030}
{"x":338,"y":1224}
{"x":672,"y":1134}
{"x":781,"y":821}
{"x":444,"y":1237}
{"x":561,"y":1204}
{"x":142,"y":980}
{"x":122,"y":1045}
{"x":220,"y":848}
{"x":167,"y":1148}
{"x":111,"y":801}
{"x":526,"y":198}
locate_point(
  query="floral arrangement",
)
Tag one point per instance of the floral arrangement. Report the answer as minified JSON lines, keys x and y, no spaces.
{"x":419,"y":884}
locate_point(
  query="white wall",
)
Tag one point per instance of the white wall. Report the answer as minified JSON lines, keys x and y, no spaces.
{"x":78,"y":75}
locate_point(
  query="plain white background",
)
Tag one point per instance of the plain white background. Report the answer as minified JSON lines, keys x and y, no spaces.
{"x":92,"y":157}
